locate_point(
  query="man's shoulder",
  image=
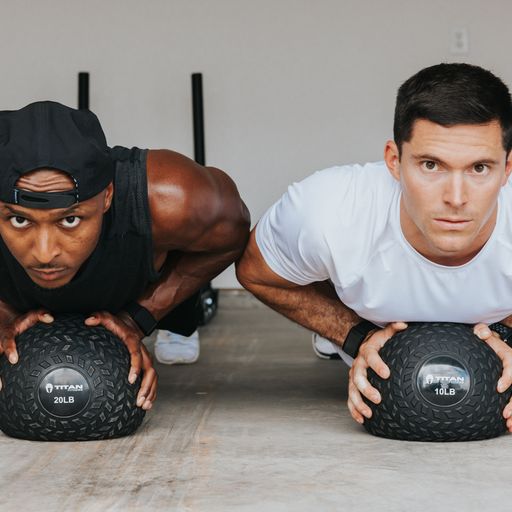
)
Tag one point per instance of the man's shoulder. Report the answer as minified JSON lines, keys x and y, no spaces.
{"x":349,"y":179}
{"x":185,"y":198}
{"x":345,"y":192}
{"x":338,"y":203}
{"x":328,"y":222}
{"x":165,"y":163}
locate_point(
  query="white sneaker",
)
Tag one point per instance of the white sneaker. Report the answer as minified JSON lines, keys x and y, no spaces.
{"x":323,"y":348}
{"x":172,"y":348}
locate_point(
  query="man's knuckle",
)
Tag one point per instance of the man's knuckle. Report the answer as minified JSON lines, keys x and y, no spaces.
{"x":359,"y":365}
{"x":361,"y":382}
{"x":357,"y":399}
{"x":363,"y":350}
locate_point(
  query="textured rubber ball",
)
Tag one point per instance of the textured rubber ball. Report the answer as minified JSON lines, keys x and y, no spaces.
{"x":70,"y":384}
{"x":442,"y":386}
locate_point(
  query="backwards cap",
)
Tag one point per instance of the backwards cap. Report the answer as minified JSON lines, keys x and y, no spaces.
{"x":47,"y":134}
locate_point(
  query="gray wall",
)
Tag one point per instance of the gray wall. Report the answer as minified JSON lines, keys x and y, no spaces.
{"x":290,"y":85}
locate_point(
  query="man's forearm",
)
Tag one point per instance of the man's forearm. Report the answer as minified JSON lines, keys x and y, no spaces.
{"x":182,"y":275}
{"x":315,"y":306}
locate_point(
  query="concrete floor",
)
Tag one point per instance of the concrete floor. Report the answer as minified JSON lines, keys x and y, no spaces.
{"x":258,"y":424}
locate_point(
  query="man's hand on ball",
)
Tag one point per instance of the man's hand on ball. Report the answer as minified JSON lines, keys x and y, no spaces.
{"x":14,"y":326}
{"x":128,"y":332}
{"x":504,"y":352}
{"x":368,"y":357}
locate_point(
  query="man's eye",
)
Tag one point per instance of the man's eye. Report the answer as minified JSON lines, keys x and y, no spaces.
{"x":429,"y":165}
{"x":71,"y":222}
{"x":18,"y":222}
{"x":480,"y":168}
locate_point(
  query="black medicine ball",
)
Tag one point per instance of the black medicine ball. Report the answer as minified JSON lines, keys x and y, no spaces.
{"x":442,"y":386}
{"x":70,"y":384}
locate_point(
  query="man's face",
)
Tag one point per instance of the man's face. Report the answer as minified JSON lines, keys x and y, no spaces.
{"x":51,"y":245}
{"x":450,"y":179}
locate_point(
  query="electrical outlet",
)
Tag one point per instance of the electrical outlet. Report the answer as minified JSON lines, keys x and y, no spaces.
{"x":460,"y":41}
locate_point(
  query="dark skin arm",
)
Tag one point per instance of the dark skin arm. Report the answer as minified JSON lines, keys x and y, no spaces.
{"x":199,"y":226}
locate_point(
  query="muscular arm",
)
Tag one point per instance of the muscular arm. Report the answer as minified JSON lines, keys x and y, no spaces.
{"x":315,"y":306}
{"x":199,"y":226}
{"x":199,"y":223}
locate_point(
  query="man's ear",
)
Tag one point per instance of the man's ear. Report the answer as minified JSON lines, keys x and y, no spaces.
{"x":109,"y":193}
{"x":508,"y":168}
{"x":392,"y":159}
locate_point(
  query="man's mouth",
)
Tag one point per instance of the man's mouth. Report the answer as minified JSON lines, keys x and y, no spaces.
{"x":49,"y":274}
{"x":452,"y":223}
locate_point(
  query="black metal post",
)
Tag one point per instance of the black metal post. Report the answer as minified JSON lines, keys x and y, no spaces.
{"x":83,"y":91}
{"x":208,"y":297}
{"x":198,"y":118}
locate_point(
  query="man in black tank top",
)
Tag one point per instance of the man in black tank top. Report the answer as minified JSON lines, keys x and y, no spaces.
{"x":121,"y":235}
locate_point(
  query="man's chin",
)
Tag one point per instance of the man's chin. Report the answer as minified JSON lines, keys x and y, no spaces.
{"x":453,"y":251}
{"x":49,"y":286}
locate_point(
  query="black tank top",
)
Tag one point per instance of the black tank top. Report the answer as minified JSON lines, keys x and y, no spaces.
{"x":121,"y":265}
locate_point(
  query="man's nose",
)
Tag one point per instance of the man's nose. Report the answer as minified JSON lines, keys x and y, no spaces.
{"x":46,"y":247}
{"x":455,"y":193}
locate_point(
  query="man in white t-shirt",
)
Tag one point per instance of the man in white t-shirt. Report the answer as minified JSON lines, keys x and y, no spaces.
{"x":355,"y":252}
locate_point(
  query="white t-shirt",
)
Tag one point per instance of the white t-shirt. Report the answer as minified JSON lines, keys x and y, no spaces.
{"x":343,"y":224}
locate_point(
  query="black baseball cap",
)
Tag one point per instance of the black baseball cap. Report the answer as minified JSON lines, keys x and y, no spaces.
{"x":47,"y":134}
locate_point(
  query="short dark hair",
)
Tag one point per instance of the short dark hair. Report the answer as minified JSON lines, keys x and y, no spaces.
{"x":450,"y":94}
